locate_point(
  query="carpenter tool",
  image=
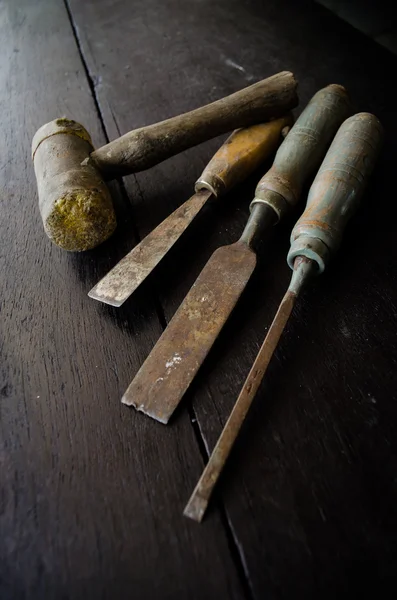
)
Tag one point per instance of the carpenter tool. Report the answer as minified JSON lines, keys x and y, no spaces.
{"x":74,"y":202}
{"x":239,"y":156}
{"x":171,"y":366}
{"x":333,"y":198}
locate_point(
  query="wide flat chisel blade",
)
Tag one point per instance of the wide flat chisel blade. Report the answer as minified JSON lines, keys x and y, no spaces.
{"x":118,"y":285}
{"x":171,"y":366}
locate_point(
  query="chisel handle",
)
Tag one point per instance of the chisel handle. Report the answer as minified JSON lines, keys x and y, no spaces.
{"x":241,"y":154}
{"x":303,"y":149}
{"x":145,"y":147}
{"x":337,"y":189}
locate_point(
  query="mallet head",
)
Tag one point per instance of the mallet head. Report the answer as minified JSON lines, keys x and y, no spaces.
{"x":75,"y":203}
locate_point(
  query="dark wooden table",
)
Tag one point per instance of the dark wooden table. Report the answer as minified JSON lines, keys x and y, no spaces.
{"x":92,"y":493}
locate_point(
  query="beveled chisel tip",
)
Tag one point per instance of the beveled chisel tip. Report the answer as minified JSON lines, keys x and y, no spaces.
{"x":157,"y":416}
{"x":110,"y":301}
{"x":196,"y":508}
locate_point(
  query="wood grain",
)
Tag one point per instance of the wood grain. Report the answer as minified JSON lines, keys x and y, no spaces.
{"x":310,"y":489}
{"x":90,"y":492}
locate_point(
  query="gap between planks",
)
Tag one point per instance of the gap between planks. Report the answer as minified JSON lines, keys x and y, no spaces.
{"x":234,"y":547}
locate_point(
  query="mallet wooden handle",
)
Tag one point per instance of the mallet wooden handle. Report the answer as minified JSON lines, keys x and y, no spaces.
{"x":143,"y":148}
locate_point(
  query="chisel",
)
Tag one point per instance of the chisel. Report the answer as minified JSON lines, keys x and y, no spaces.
{"x":171,"y":366}
{"x":237,"y":158}
{"x":333,"y":198}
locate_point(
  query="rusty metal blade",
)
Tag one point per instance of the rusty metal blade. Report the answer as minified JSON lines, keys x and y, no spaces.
{"x":171,"y":366}
{"x":303,"y":270}
{"x":198,"y":502}
{"x":118,"y":285}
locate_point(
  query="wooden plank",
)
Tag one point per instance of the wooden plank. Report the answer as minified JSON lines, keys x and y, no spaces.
{"x":90,"y":492}
{"x":310,"y":490}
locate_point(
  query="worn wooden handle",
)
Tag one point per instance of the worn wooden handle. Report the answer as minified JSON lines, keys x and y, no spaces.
{"x":303,"y":149}
{"x":143,"y":148}
{"x":241,"y":154}
{"x":337,"y":189}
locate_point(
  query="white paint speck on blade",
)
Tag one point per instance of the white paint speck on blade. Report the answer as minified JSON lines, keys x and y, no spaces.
{"x":174,"y":361}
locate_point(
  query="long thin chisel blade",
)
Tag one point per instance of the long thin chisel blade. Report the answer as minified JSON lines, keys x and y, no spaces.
{"x":198,"y":502}
{"x":197,"y":505}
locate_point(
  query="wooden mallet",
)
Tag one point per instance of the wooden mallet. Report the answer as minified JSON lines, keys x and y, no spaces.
{"x":74,"y":201}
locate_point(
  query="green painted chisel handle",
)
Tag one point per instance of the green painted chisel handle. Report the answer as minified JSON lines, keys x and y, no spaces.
{"x":337,"y":189}
{"x":244,"y":150}
{"x":303,"y":149}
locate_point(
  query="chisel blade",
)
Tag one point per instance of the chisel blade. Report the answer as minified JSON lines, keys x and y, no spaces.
{"x":118,"y":285}
{"x":198,"y":502}
{"x":171,"y":366}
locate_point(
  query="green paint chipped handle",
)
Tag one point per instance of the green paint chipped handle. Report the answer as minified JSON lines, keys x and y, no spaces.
{"x":302,"y":151}
{"x":337,"y":189}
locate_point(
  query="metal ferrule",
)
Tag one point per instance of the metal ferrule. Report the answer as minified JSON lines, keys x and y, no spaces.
{"x":276,"y":201}
{"x":309,"y":247}
{"x":215,"y":185}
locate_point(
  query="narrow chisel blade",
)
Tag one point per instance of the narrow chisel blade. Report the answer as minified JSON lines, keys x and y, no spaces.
{"x":198,"y":502}
{"x":171,"y":366}
{"x":118,"y":285}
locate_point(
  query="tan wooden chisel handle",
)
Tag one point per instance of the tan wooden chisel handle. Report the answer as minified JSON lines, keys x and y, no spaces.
{"x":235,"y":160}
{"x":241,"y":154}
